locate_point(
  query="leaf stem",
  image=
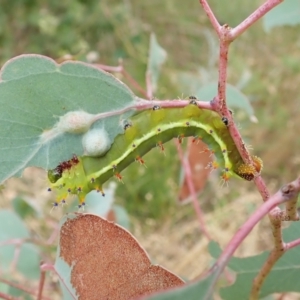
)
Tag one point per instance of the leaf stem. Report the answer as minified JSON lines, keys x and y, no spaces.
{"x":256,"y":15}
{"x":290,"y":194}
{"x":211,"y":16}
{"x":188,"y":174}
{"x":20,"y":287}
{"x":287,"y":193}
{"x":49,"y":267}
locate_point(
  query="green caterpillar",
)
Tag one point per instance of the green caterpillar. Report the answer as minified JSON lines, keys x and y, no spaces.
{"x":146,"y":130}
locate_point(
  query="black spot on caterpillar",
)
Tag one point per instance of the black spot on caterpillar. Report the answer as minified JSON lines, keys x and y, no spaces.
{"x":193,"y":100}
{"x":149,"y":129}
{"x":126,"y":125}
{"x":225,"y":121}
{"x":156,"y":107}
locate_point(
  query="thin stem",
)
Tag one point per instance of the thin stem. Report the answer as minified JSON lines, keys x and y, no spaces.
{"x":291,"y":211}
{"x":117,"y":69}
{"x":41,"y":284}
{"x":145,"y":104}
{"x":273,"y":257}
{"x":7,"y":297}
{"x":134,"y":83}
{"x":21,"y":287}
{"x":188,"y":174}
{"x":140,"y":104}
{"x":149,"y":85}
{"x":54,"y":235}
{"x":262,"y":188}
{"x":285,"y":194}
{"x":49,"y":267}
{"x":292,"y":244}
{"x":276,"y":226}
{"x":259,"y":13}
{"x":121,"y":69}
{"x":289,"y":193}
{"x":223,"y":62}
{"x":211,"y":16}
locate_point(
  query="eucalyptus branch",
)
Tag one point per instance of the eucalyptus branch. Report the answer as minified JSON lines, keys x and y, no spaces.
{"x":259,"y":13}
{"x":188,"y":173}
{"x":211,"y":16}
{"x":21,"y":287}
{"x":7,"y":297}
{"x":287,"y":193}
{"x":120,"y":69}
{"x":49,"y":267}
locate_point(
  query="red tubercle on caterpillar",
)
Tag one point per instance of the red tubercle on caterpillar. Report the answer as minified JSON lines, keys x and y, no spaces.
{"x":119,"y":177}
{"x":207,"y":150}
{"x":140,"y":160}
{"x":196,"y":139}
{"x":180,"y":138}
{"x":161,"y":146}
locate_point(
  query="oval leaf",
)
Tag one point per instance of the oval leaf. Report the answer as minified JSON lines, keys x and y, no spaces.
{"x":28,"y":262}
{"x":105,"y":261}
{"x":34,"y":93}
{"x":286,"y":13}
{"x":157,"y":56}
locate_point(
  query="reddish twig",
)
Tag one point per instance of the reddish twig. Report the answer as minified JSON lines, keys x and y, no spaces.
{"x":149,"y":85}
{"x":7,"y":297}
{"x":117,"y":69}
{"x":21,"y":287}
{"x":54,"y":234}
{"x":211,"y":16}
{"x":259,"y":13}
{"x":49,"y":267}
{"x":287,"y":193}
{"x":120,"y":69}
{"x":41,"y":283}
{"x":292,"y":244}
{"x":226,"y":36}
{"x":134,"y":83}
{"x":140,"y":104}
{"x":188,"y":174}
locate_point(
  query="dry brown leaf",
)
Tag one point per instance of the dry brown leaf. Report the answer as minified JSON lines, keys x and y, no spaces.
{"x":198,"y":159}
{"x":108,"y":262}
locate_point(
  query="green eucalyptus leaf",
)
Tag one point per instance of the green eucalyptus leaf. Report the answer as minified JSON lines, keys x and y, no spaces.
{"x":286,"y":13}
{"x":157,"y":56}
{"x":35,"y":92}
{"x":13,"y":228}
{"x":234,"y":97}
{"x":285,"y":273}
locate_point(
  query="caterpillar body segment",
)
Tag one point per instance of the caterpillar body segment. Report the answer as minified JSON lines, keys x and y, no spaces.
{"x":149,"y":129}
